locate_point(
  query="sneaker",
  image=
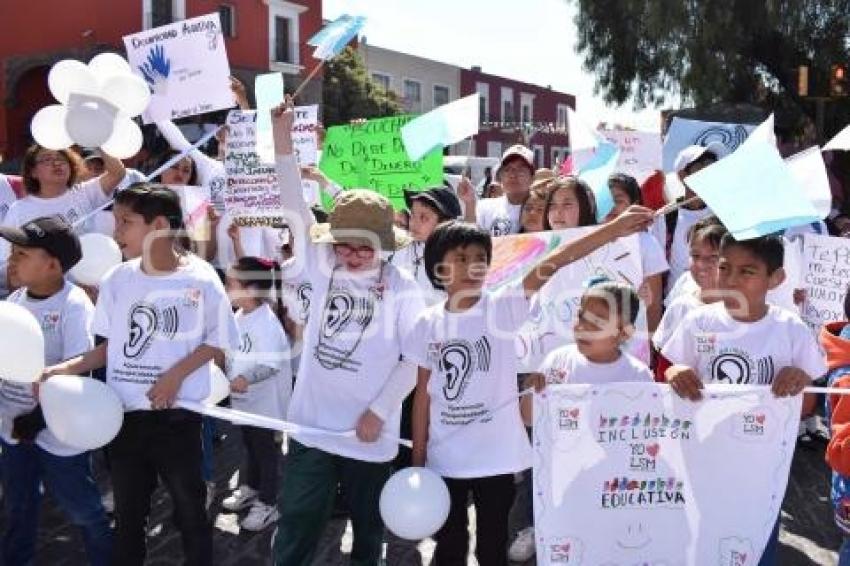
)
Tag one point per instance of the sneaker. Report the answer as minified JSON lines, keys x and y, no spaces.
{"x":522,"y":548}
{"x":260,"y":516}
{"x":241,"y":498}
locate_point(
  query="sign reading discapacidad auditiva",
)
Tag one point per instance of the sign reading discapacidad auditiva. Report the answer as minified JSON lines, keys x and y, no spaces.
{"x":371,"y":155}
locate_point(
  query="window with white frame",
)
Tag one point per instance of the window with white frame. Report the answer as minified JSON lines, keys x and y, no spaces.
{"x":157,"y":13}
{"x":412,"y":95}
{"x":526,"y":103}
{"x":483,"y":90}
{"x":561,"y":122}
{"x":508,"y":104}
{"x":382,"y":80}
{"x":283,"y":36}
{"x":494,"y":149}
{"x":538,"y":156}
{"x":227,"y":15}
{"x":441,"y":95}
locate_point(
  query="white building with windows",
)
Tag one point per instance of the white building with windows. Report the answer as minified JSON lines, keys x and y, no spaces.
{"x":421,"y":84}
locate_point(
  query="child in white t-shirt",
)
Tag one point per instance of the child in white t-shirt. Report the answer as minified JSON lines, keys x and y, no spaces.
{"x":704,"y":242}
{"x":43,"y":250}
{"x":606,"y":318}
{"x":466,"y":391}
{"x":352,"y":375}
{"x":743,"y":339}
{"x":165,"y":318}
{"x":260,"y":383}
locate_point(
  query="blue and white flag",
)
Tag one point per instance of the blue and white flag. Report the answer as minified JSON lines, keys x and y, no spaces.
{"x":443,"y":126}
{"x":596,"y":172}
{"x":333,"y":38}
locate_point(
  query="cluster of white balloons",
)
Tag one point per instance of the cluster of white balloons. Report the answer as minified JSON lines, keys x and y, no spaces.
{"x":80,"y":411}
{"x":96,"y":105}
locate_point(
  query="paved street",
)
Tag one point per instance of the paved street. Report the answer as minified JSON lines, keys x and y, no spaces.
{"x":807,"y":537}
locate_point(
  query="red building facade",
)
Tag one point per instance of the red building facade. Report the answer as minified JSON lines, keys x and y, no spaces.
{"x":261,"y":36}
{"x":516,"y":112}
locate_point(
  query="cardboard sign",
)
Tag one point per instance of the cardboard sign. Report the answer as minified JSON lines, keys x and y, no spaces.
{"x":185,"y":65}
{"x":825,"y":277}
{"x":629,"y":473}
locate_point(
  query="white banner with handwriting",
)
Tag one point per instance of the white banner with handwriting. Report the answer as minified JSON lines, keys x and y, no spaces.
{"x":630,"y":473}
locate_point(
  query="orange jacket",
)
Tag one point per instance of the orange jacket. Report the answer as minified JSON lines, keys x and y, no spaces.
{"x":838,"y":361}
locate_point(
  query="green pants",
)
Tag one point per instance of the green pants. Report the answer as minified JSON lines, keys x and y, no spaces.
{"x":306,"y":500}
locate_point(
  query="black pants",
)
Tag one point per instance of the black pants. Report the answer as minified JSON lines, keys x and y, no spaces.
{"x":167,"y":445}
{"x":493,"y":497}
{"x":260,"y":462}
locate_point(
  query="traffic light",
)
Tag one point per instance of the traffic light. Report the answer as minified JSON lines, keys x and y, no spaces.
{"x":838,"y":84}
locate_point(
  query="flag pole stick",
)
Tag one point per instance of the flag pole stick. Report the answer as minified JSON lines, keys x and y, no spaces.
{"x":307,"y":80}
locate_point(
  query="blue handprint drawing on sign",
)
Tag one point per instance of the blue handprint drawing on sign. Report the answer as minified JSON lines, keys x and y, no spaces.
{"x":156,"y":70}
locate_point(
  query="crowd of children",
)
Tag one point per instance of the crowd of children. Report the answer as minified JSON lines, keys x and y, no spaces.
{"x":352,"y":323}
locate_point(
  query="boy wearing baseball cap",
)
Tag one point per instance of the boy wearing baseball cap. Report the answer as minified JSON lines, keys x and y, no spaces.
{"x":43,"y":250}
{"x":500,"y":216}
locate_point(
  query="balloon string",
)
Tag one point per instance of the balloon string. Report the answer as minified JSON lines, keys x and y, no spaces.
{"x":177,"y":157}
{"x":242,"y":418}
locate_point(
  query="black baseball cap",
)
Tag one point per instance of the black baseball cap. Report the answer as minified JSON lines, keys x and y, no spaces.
{"x":50,"y":233}
{"x":442,"y":199}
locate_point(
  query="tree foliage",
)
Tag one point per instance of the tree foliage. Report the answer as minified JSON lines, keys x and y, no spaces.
{"x":710,"y":51}
{"x":349,"y":93}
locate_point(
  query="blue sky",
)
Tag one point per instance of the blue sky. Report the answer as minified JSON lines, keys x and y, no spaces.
{"x":528,"y":40}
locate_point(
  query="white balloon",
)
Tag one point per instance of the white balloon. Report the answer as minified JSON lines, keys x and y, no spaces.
{"x":100,"y":254}
{"x":21,"y":344}
{"x":48,"y":127}
{"x":125,"y":141}
{"x":414,"y":503}
{"x":105,"y":65}
{"x":80,"y":411}
{"x":130,"y":93}
{"x":219,"y":387}
{"x":70,"y":76}
{"x":90,"y":120}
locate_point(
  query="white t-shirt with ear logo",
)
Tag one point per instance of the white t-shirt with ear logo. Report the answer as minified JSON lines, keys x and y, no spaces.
{"x":65,"y":319}
{"x":152,"y":322}
{"x":474,"y":409}
{"x":498,"y":216}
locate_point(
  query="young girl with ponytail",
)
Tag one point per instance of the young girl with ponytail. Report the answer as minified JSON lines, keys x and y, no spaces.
{"x":260,"y":383}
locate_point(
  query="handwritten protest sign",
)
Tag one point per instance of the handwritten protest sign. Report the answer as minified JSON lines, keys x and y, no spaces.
{"x":305,"y":134}
{"x":553,"y":310}
{"x":372,"y":155}
{"x":640,"y":152}
{"x":252,"y":195}
{"x":629,"y":473}
{"x":825,"y":277}
{"x":185,"y":65}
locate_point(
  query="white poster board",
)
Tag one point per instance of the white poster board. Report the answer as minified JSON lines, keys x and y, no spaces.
{"x":629,"y":473}
{"x":825,"y":277}
{"x":252,"y":195}
{"x":185,"y":65}
{"x":554,"y":308}
{"x":640,"y":152}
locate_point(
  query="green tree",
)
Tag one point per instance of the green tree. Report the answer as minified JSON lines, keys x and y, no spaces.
{"x":710,"y":51}
{"x":349,"y":93}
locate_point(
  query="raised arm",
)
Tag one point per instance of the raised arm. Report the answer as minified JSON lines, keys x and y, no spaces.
{"x":286,"y":165}
{"x":634,"y":219}
{"x":113,"y":173}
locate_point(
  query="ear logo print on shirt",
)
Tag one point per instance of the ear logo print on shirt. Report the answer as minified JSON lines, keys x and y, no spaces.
{"x":304,"y":292}
{"x":344,"y":320}
{"x":145,"y":322}
{"x":246,"y":344}
{"x":501,"y":227}
{"x":458,"y":359}
{"x":730,"y":368}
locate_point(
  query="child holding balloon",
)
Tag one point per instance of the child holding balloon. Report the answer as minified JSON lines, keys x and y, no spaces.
{"x":466,"y":395}
{"x":165,"y":317}
{"x":43,"y":250}
{"x":260,"y":383}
